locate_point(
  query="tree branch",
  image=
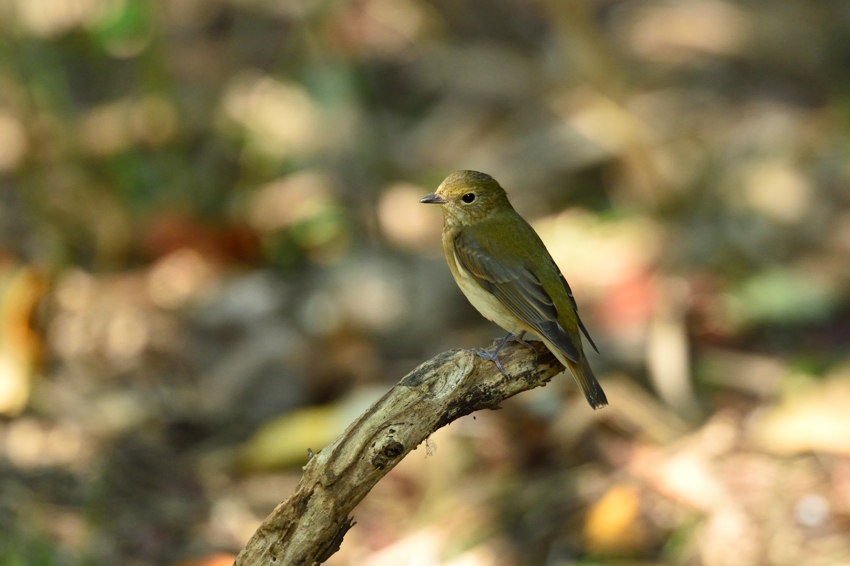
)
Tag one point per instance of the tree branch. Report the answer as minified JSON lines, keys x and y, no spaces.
{"x":308,"y":527}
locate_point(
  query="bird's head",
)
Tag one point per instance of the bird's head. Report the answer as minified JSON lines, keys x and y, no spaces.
{"x":468,"y":196}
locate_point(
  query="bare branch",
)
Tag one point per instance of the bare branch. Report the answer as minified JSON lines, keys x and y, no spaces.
{"x":308,"y":527}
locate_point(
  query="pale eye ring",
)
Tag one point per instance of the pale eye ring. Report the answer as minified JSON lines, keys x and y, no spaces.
{"x":468,"y":198}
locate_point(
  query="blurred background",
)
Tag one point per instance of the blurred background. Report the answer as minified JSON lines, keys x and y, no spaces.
{"x":212,"y":258}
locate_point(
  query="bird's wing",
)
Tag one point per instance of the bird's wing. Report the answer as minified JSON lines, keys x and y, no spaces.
{"x":517,"y":288}
{"x":575,"y":308}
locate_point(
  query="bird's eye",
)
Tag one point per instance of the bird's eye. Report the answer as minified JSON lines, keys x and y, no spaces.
{"x":468,"y":198}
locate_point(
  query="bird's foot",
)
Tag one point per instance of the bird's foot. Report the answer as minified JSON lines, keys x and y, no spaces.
{"x":492,"y":357}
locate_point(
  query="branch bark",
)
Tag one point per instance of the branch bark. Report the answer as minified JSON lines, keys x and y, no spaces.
{"x":308,"y":527}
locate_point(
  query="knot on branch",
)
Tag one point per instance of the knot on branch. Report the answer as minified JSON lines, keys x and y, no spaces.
{"x":386,"y":450}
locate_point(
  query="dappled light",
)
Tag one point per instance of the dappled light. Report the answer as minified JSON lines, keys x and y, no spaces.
{"x":213,"y":259}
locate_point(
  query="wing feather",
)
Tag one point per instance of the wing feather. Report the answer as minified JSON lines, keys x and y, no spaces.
{"x":518,"y":289}
{"x":575,"y":308}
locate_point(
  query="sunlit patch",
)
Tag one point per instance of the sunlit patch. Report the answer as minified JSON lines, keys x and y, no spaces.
{"x":69,"y":335}
{"x":13,"y":141}
{"x":677,"y":32}
{"x":31,"y":444}
{"x":123,"y":26}
{"x":813,"y":417}
{"x":74,"y":291}
{"x":290,"y":200}
{"x":406,"y":222}
{"x":25,"y":440}
{"x":730,"y":537}
{"x":685,"y":477}
{"x":45,"y":18}
{"x":279,"y":118}
{"x":114,"y":319}
{"x":778,"y":190}
{"x":127,"y":335}
{"x":14,"y":383}
{"x":306,"y":206}
{"x":577,"y":239}
{"x":600,"y":119}
{"x":179,"y":277}
{"x":118,"y":125}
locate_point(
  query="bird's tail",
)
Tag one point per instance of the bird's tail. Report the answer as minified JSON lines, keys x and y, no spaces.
{"x":588,"y":383}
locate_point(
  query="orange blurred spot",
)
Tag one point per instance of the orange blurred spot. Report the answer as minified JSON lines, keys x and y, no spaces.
{"x":613,"y":524}
{"x":628,"y":302}
{"x":20,"y":346}
{"x":218,"y":559}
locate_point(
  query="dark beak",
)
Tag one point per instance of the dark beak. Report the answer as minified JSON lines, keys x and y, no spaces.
{"x":433,"y":199}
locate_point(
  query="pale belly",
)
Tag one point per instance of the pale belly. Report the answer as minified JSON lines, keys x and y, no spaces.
{"x":489,"y":306}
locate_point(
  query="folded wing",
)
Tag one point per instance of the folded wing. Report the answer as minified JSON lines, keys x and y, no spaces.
{"x":518,"y":289}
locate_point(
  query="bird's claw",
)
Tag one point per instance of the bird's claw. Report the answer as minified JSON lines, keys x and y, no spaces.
{"x":494,"y":355}
{"x":491,"y":357}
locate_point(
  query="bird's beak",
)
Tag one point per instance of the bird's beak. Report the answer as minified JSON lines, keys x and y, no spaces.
{"x":433,"y":199}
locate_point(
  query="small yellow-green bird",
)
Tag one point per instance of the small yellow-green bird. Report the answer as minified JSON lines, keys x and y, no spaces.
{"x":503,"y":268}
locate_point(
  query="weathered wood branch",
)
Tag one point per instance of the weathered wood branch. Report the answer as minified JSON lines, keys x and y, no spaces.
{"x":308,"y":527}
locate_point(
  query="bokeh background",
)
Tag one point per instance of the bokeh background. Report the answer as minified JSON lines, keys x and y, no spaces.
{"x":212,"y":258}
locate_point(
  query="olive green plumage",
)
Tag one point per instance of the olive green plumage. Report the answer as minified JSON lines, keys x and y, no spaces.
{"x":504,"y":269}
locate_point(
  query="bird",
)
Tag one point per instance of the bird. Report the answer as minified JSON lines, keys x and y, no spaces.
{"x":503,"y":268}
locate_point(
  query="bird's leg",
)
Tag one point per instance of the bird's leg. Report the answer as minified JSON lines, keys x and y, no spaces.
{"x":518,"y":338}
{"x":494,"y":355}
